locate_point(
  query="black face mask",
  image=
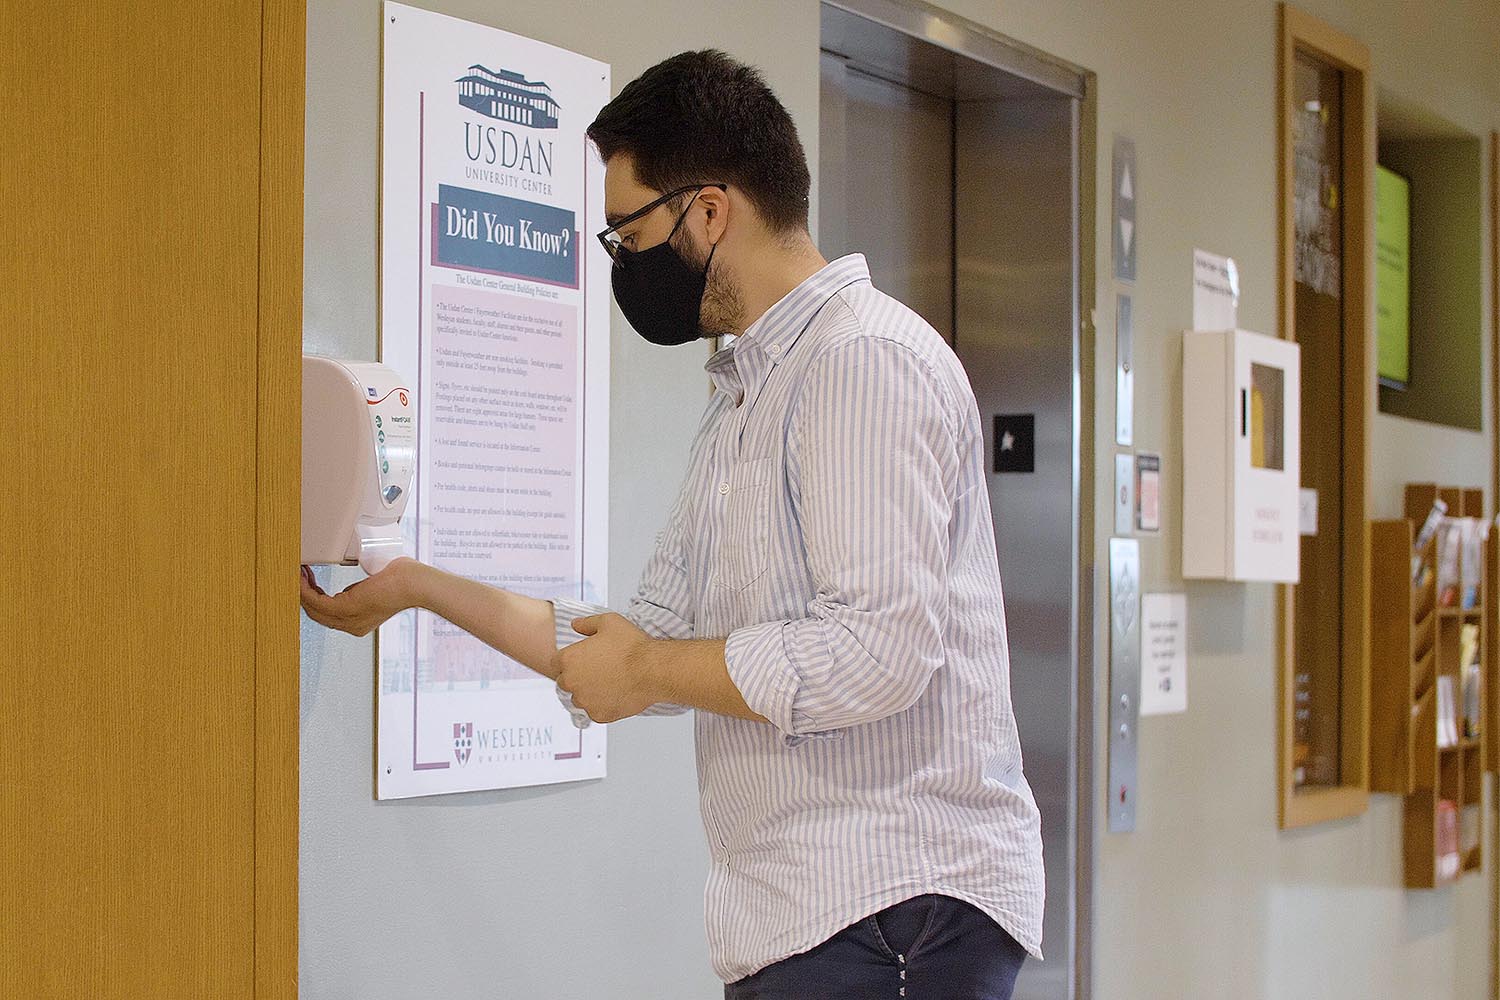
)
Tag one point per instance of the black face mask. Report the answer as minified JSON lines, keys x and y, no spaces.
{"x":660,"y":293}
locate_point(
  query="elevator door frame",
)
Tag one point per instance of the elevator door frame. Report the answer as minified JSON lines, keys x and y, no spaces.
{"x":974,"y":41}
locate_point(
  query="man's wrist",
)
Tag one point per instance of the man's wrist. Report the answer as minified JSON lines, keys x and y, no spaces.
{"x":649,"y":668}
{"x":413,"y":582}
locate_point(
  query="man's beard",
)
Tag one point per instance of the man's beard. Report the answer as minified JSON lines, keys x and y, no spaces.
{"x":722,"y":307}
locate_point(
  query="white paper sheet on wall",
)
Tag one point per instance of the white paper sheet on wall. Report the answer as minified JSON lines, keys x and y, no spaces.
{"x":1163,"y":654}
{"x":1216,"y":292}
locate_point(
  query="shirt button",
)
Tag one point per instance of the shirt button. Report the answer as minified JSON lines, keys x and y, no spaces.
{"x":774,"y":348}
{"x":723,"y":487}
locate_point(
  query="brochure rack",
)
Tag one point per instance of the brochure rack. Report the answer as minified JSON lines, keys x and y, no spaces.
{"x":1427,"y":739}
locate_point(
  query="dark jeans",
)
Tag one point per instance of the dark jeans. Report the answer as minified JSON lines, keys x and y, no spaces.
{"x":927,"y":948}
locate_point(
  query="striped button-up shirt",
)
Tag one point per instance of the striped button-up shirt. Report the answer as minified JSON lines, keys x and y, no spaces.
{"x":834,"y":528}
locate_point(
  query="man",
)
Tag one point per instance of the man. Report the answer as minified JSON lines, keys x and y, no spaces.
{"x":825,"y":592}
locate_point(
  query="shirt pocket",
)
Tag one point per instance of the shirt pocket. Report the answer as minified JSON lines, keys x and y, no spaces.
{"x":747,"y":524}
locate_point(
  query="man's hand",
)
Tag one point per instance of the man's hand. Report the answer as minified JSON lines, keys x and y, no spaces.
{"x":363,"y":606}
{"x":608,"y":673}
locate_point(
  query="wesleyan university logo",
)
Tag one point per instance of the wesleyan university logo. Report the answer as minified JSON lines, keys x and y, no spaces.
{"x":463,"y":741}
{"x":508,"y":96}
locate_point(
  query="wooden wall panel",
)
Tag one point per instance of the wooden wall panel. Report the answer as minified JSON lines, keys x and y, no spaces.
{"x":131,"y":299}
{"x":279,"y":492}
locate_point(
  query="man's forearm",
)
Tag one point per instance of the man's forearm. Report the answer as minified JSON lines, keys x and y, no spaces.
{"x":688,"y":672}
{"x":692,"y":672}
{"x":521,"y":627}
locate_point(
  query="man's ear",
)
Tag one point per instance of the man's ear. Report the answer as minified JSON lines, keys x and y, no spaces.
{"x":716,"y":207}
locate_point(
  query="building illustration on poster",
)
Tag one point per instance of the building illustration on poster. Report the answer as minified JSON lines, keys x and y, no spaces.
{"x":495,"y":306}
{"x":508,"y":96}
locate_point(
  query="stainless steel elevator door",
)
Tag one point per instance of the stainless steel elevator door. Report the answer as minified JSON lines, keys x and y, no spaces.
{"x":966,"y":211}
{"x":898,"y":197}
{"x":1015,"y":294}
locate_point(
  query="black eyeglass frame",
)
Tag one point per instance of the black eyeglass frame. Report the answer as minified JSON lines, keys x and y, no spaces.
{"x":613,"y":249}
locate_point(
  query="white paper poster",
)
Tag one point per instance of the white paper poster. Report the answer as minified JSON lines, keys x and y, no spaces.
{"x":494,"y":304}
{"x":1307,"y":512}
{"x":1216,"y":292}
{"x":1163,"y":653}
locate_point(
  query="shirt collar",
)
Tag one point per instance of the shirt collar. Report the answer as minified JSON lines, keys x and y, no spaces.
{"x":769,"y":340}
{"x":720,"y":368}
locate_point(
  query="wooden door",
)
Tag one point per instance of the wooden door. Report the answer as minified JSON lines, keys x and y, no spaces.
{"x":150,"y":329}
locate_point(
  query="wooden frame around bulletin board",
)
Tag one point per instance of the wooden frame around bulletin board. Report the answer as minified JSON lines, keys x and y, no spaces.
{"x":1492,"y":753}
{"x":1495,"y":321}
{"x":1298,"y":31}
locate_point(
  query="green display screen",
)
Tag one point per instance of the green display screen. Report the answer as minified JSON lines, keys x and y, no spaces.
{"x":1393,"y":276}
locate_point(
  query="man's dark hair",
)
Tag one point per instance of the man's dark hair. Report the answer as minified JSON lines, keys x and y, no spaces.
{"x":703,"y":117}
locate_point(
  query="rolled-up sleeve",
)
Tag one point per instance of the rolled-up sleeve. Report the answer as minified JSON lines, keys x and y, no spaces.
{"x":871,"y":463}
{"x":662,"y":606}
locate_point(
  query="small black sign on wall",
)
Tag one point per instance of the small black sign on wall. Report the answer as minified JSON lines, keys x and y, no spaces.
{"x":1015,"y":442}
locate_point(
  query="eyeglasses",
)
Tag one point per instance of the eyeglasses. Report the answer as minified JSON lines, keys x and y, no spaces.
{"x":610,"y":239}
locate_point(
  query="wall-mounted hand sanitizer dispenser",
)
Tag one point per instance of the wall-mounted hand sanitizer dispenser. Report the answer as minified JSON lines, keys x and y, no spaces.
{"x":359,"y":435}
{"x":1241,"y":449}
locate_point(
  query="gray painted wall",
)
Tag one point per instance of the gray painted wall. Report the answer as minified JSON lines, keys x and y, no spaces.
{"x":596,"y":889}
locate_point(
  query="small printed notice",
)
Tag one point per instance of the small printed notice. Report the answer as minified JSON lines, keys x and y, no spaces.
{"x":1147,"y":492}
{"x":1307,"y":512}
{"x":1163,"y":654}
{"x":497,"y":308}
{"x":1216,"y":292}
